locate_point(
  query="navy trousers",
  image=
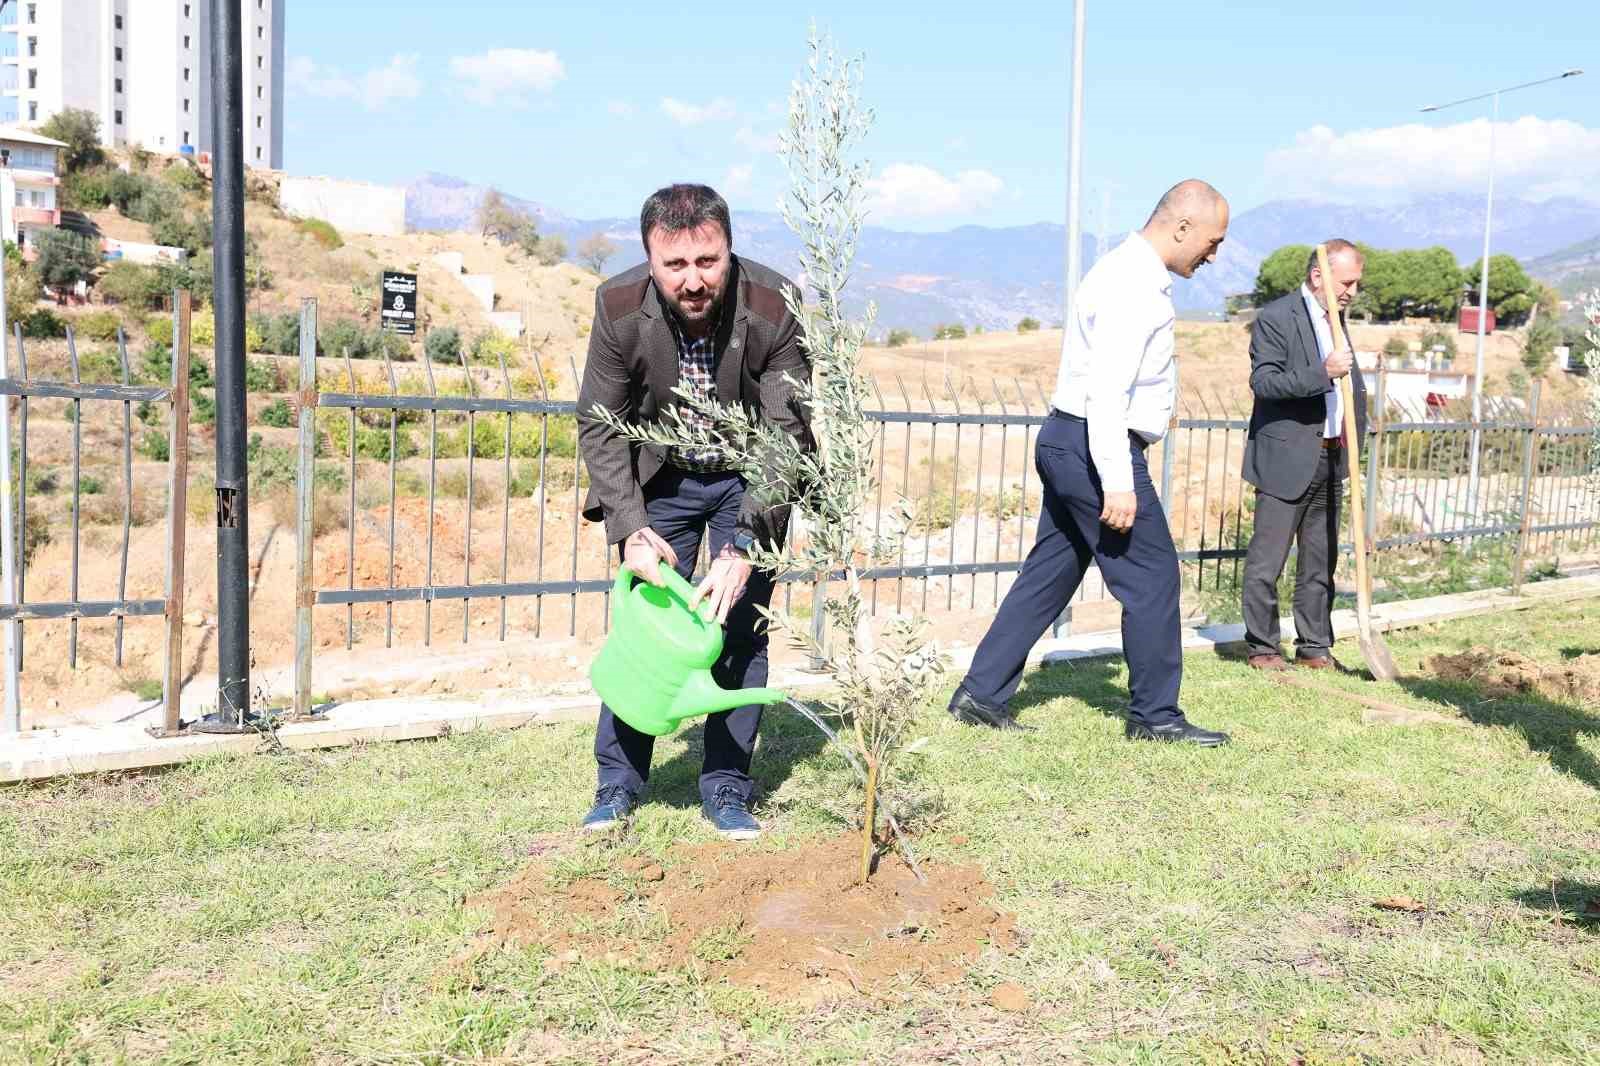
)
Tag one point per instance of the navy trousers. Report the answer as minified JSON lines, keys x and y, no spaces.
{"x":683,"y":507}
{"x":1140,"y":568}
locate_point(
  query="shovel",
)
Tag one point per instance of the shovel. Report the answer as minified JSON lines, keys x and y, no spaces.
{"x":1373,"y":649}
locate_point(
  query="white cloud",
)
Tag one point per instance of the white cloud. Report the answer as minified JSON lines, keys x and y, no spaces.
{"x":621,"y":108}
{"x":737,"y":180}
{"x":505,"y":76}
{"x":760,"y":143}
{"x":373,"y":89}
{"x":719,"y":110}
{"x":906,"y":190}
{"x":1534,"y":158}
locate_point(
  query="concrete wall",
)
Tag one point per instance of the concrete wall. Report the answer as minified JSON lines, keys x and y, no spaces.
{"x":351,"y":206}
{"x":137,"y":252}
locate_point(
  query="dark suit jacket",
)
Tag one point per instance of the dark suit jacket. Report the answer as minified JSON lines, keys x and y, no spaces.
{"x":633,"y":367}
{"x":1289,"y":383}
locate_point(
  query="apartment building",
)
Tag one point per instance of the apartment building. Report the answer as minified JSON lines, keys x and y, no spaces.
{"x":30,"y":167}
{"x":143,"y":66}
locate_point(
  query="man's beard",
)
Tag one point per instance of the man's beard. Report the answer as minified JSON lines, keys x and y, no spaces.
{"x":707,"y":313}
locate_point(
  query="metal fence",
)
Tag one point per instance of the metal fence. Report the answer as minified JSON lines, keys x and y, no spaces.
{"x":16,"y":609}
{"x":956,"y":457}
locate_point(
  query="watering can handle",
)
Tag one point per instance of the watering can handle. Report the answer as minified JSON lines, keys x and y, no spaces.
{"x":669,"y":575}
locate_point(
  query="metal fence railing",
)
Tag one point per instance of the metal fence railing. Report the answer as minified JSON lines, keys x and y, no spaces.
{"x":16,"y":609}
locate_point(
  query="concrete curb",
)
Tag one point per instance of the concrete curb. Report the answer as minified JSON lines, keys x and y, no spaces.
{"x":45,"y":753}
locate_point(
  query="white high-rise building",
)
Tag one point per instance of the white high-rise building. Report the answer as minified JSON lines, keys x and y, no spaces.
{"x":143,"y":66}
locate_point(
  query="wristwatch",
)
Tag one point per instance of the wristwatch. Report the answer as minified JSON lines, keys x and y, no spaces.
{"x":742,"y":542}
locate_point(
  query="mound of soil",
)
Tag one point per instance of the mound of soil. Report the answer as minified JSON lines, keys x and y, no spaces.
{"x":792,"y":922}
{"x":1507,"y":674}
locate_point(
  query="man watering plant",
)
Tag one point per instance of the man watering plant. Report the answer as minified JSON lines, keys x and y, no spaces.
{"x":698,"y":316}
{"x":1113,"y":399}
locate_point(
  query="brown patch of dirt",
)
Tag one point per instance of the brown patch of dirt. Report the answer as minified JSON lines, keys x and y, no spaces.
{"x":792,"y":923}
{"x":1508,"y":674}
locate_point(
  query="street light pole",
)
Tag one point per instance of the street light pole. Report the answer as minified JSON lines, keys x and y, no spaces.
{"x":1074,"y":171}
{"x":1483,"y":276}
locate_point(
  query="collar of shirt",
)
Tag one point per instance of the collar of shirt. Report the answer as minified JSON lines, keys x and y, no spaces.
{"x":1319,"y":320}
{"x":1160,"y":276}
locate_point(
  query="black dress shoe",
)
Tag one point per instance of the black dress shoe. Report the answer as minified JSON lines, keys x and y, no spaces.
{"x":965,"y":708}
{"x":1182,"y":730}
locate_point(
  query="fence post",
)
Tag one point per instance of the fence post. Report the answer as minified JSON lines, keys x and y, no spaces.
{"x":177,"y":514}
{"x":1375,"y":459}
{"x":818,"y":660}
{"x":305,"y":499}
{"x":8,"y":550}
{"x":1530,"y":451}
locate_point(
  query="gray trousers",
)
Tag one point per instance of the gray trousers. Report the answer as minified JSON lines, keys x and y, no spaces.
{"x":1313,"y":521}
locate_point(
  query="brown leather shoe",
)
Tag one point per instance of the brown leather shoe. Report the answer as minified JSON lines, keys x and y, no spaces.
{"x":1268,"y":662}
{"x":1320,"y":662}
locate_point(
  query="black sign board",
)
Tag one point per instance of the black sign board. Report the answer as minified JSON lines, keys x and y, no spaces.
{"x":398,"y":304}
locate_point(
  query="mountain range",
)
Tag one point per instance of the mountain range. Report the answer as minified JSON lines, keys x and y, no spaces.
{"x":994,"y":276}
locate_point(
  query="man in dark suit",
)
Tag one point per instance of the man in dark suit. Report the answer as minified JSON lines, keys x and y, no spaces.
{"x":1296,"y":460}
{"x":698,"y":315}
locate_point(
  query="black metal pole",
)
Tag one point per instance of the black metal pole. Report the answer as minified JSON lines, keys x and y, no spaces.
{"x":227,"y":229}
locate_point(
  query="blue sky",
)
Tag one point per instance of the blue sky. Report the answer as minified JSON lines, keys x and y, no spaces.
{"x":587,"y":107}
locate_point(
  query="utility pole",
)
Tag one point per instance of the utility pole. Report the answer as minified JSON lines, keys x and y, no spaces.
{"x":1074,"y":167}
{"x":233,"y":498}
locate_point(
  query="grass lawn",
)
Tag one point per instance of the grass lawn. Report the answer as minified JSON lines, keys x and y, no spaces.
{"x":1177,"y":905}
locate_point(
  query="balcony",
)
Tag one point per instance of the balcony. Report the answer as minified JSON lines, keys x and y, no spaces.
{"x":38,"y":216}
{"x":36,"y":178}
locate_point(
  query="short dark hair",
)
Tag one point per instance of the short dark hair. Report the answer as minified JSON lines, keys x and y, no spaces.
{"x":683,"y":207}
{"x":1335,"y":244}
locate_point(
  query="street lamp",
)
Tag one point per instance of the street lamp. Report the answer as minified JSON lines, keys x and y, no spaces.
{"x":1483,"y":279}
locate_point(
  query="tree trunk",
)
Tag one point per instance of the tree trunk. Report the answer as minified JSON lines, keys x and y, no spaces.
{"x":868,"y":843}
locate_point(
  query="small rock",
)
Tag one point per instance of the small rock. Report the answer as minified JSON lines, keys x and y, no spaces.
{"x":652,"y":873}
{"x":1010,"y":997}
{"x":959,"y":839}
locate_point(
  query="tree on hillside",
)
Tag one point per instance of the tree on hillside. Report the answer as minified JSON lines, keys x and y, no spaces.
{"x":1029,"y":324}
{"x":1538,"y":347}
{"x":594,"y":250}
{"x":1281,"y":272}
{"x":22,"y":284}
{"x":1422,"y":283}
{"x":899,"y":338}
{"x":953,"y":332}
{"x":501,"y":221}
{"x":1512,"y":294}
{"x":64,"y":258}
{"x":80,"y":129}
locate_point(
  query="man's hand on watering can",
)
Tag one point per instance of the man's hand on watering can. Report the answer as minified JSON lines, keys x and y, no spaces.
{"x":724,"y":584}
{"x":643,"y":553}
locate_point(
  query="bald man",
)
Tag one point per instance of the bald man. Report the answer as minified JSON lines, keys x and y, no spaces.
{"x":1113,"y":399}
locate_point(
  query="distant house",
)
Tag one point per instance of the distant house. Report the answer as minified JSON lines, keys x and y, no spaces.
{"x":30,"y":166}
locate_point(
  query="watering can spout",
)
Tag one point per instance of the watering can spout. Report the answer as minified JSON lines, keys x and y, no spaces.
{"x":702,"y":695}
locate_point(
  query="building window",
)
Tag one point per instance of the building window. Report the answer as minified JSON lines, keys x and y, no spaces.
{"x":33,"y":78}
{"x":258,"y":151}
{"x":33,"y":14}
{"x":116,"y":118}
{"x":258,"y":122}
{"x":117,"y":53}
{"x":118,"y":21}
{"x":185,"y":10}
{"x":258,"y":62}
{"x":185,"y":136}
{"x":258,"y":33}
{"x":33,"y":46}
{"x":185,"y":106}
{"x":258,"y":92}
{"x":33,"y":111}
{"x":186,"y":40}
{"x":117,"y":84}
{"x":185,"y":73}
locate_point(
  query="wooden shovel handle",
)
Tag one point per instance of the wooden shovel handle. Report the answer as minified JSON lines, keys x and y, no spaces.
{"x":1358,"y":530}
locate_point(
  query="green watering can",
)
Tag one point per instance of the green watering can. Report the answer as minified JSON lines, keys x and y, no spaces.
{"x":655,"y":668}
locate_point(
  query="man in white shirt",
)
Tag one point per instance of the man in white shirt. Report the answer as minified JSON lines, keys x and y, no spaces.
{"x":1113,"y":398}
{"x":1295,"y":458}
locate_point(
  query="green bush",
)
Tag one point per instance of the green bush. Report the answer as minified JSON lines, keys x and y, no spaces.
{"x":1439,"y":338}
{"x":192,"y":233}
{"x":272,"y":464}
{"x":443,"y":345}
{"x":372,"y":442}
{"x":156,"y":366}
{"x":134,"y":284}
{"x":1028,"y":325}
{"x":1396,"y":348}
{"x":954,"y":332}
{"x":147,"y":413}
{"x":899,"y":338}
{"x":153,"y":445}
{"x":276,"y":414}
{"x":98,"y":325}
{"x":41,"y":323}
{"x":193,"y":274}
{"x":203,"y":330}
{"x":88,"y":190}
{"x":159,"y":329}
{"x":100,"y":367}
{"x":184,"y":177}
{"x":261,"y":375}
{"x":90,"y":485}
{"x":202,"y":407}
{"x":342,"y":336}
{"x":491,"y":346}
{"x":322,"y":232}
{"x":280,"y":334}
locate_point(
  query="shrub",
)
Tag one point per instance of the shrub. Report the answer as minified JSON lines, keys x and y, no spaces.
{"x":276,"y":414}
{"x":443,"y":345}
{"x":100,"y":367}
{"x":899,"y":338}
{"x":159,"y":329}
{"x":1028,"y":324}
{"x":272,"y":464}
{"x":88,"y":190}
{"x":280,"y":334}
{"x":261,"y":375}
{"x":203,"y":330}
{"x":342,"y":336}
{"x":1439,"y":338}
{"x":491,"y":346}
{"x":153,"y":445}
{"x":253,"y":338}
{"x":202,"y":407}
{"x":322,"y":232}
{"x":41,"y":323}
{"x":35,"y":535}
{"x":952,"y":332}
{"x":192,"y":233}
{"x":99,"y":325}
{"x":64,"y":258}
{"x":90,"y":485}
{"x":184,"y":177}
{"x":156,"y":365}
{"x":1396,"y":348}
{"x":193,"y":274}
{"x":132,"y":283}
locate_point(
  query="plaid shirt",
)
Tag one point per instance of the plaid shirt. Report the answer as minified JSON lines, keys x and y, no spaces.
{"x":697,"y":372}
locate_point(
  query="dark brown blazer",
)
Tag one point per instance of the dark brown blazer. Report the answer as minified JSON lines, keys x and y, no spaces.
{"x":633,"y":368}
{"x":1286,"y":375}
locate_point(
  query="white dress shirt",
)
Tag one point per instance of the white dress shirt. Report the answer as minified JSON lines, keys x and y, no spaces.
{"x":1333,"y":421}
{"x":1117,"y":371}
